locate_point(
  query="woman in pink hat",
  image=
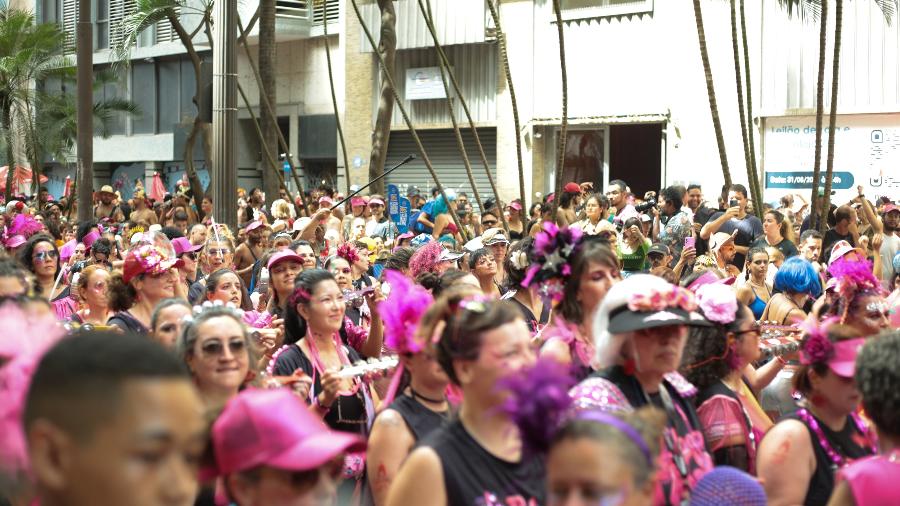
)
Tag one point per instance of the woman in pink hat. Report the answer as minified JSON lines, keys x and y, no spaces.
{"x":514,"y":220}
{"x":800,"y":455}
{"x":147,"y":278}
{"x":357,"y":210}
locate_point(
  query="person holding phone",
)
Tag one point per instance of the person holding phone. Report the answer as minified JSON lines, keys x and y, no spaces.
{"x":679,"y":224}
{"x":735,"y":217}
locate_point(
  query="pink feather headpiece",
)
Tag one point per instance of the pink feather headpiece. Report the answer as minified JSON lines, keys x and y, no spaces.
{"x":424,"y":259}
{"x":850,"y":278}
{"x":402,"y":312}
{"x":551,"y":255}
{"x":22,"y":227}
{"x":25,"y":342}
{"x":816,"y":348}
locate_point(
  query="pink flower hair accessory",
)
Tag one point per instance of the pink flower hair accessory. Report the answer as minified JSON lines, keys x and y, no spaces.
{"x":348,"y":252}
{"x":658,"y":300}
{"x":718,"y":302}
{"x":816,"y":348}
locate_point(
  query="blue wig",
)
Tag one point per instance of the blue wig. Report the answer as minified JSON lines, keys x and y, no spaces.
{"x":440,"y":205}
{"x":796,"y":275}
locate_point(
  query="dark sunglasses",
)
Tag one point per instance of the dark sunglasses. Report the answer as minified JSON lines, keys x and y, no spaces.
{"x":45,"y":255}
{"x":217,"y":349}
{"x":489,"y":223}
{"x":190,"y":254}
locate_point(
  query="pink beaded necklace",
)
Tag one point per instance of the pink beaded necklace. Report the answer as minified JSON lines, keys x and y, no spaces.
{"x":837,"y":460}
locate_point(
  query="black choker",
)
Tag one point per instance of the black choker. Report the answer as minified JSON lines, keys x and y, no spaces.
{"x":420,"y":396}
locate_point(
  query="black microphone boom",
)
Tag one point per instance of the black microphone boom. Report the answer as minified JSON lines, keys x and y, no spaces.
{"x":403,"y":162}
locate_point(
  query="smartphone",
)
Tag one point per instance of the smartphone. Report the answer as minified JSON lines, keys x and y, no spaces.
{"x":689,"y":242}
{"x":733,"y":203}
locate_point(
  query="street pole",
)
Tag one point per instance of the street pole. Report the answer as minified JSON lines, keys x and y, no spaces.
{"x":223,"y":167}
{"x":85,"y":110}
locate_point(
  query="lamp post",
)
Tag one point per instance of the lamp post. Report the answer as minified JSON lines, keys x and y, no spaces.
{"x":223,"y":166}
{"x":84,"y":41}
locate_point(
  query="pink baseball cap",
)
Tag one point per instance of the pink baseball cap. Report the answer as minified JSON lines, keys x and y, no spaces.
{"x":325,"y":201}
{"x":515,"y":205}
{"x":890,"y":207}
{"x":357,"y":201}
{"x":843,"y":362}
{"x":275,"y":428}
{"x":283,"y":256}
{"x":183,"y":245}
{"x":376,"y":201}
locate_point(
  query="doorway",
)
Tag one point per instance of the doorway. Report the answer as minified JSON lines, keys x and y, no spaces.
{"x":635,"y":156}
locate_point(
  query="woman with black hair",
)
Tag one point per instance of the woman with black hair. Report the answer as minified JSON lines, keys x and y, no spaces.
{"x":714,"y":360}
{"x":873,"y":481}
{"x":633,"y":247}
{"x":801,"y":454}
{"x":479,"y":454}
{"x":483,"y":266}
{"x":534,"y":311}
{"x":41,"y":257}
{"x":569,"y":340}
{"x":315,"y":324}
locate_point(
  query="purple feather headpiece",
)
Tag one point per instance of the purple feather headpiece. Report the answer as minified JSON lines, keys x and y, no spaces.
{"x":22,"y":227}
{"x":538,"y":402}
{"x":551,"y":255}
{"x":853,"y":276}
{"x":402,"y":312}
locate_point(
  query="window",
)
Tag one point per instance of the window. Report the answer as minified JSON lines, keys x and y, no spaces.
{"x":143,"y":94}
{"x":50,"y":11}
{"x":582,"y":9}
{"x":101,"y":21}
{"x":332,"y":12}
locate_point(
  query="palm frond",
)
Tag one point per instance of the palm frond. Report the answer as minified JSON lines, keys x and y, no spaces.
{"x":888,"y":8}
{"x":805,"y":9}
{"x":146,"y":14}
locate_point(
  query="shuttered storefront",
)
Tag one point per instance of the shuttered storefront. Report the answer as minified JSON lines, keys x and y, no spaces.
{"x":446,"y":159}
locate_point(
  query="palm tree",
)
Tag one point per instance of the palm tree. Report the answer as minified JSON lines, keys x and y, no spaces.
{"x":711,"y":92}
{"x":53,"y":129}
{"x":754,"y":172}
{"x":267,"y":65}
{"x":561,"y":148}
{"x":334,"y":102}
{"x":29,"y":53}
{"x":146,"y":14}
{"x":387,"y":48}
{"x":751,"y":178}
{"x":504,"y":58}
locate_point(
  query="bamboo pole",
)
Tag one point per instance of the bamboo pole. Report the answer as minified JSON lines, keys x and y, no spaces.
{"x":561,"y":148}
{"x":409,"y":125}
{"x":445,"y":64}
{"x":288,"y":156}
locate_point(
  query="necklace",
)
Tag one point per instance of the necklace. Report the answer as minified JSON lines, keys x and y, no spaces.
{"x":427,"y":399}
{"x":837,"y":460}
{"x":320,"y":365}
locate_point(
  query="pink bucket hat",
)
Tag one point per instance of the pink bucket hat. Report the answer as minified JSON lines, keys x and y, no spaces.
{"x":274,"y":428}
{"x":147,"y":259}
{"x":843,"y":362}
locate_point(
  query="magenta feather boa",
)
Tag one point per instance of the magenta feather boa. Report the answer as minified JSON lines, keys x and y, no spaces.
{"x":402,"y":312}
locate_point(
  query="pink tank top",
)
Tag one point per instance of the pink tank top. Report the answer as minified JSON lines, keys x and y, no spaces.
{"x":873,"y":480}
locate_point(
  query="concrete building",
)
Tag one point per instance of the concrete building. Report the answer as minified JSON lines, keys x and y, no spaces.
{"x":638,"y":107}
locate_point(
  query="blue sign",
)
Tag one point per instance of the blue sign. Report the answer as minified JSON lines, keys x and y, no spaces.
{"x":393,"y":202}
{"x":404,"y":215}
{"x":286,"y":166}
{"x":804,"y":179}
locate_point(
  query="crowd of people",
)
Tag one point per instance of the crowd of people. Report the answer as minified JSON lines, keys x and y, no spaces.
{"x":603,"y":349}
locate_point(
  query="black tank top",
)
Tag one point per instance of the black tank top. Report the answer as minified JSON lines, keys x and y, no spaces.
{"x":847,"y":442}
{"x":420,"y":420}
{"x":472,"y":476}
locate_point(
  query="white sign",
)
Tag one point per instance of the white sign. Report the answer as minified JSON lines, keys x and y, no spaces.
{"x":424,"y":83}
{"x":866,"y":152}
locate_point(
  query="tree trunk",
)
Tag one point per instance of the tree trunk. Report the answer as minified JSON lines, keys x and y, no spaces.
{"x":10,"y":158}
{"x":267,"y":66}
{"x":504,"y":58}
{"x":387,"y":47}
{"x":832,"y":117}
{"x":814,"y":204}
{"x":754,"y":171}
{"x":198,"y":127}
{"x":334,"y":102}
{"x":711,"y":92}
{"x":564,"y":124}
{"x":739,"y":85}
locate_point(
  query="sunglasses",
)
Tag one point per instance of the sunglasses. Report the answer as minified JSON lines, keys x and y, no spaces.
{"x":190,"y":254}
{"x":217,"y":348}
{"x":46,"y":255}
{"x":489,"y":223}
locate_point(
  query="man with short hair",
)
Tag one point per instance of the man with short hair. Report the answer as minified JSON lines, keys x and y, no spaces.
{"x":13,"y":279}
{"x":198,"y":235}
{"x":142,"y":215}
{"x":845,"y":228}
{"x":113,"y":419}
{"x":304,"y":250}
{"x":678,"y":227}
{"x":180,"y":220}
{"x":735,"y":218}
{"x":811,"y":247}
{"x":617,"y":193}
{"x":249,"y":252}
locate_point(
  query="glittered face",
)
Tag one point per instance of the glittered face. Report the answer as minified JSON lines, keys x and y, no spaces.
{"x":873,"y":317}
